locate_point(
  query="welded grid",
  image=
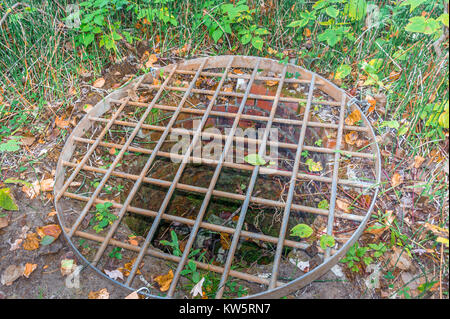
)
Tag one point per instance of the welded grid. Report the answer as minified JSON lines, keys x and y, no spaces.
{"x":236,"y":232}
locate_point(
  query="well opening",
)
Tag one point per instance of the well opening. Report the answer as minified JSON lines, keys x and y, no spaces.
{"x":131,"y":180}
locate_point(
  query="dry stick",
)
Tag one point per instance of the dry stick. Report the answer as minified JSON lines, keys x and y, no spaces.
{"x":212,"y":185}
{"x":116,"y":160}
{"x":255,"y":172}
{"x":168,"y":196}
{"x":292,"y":183}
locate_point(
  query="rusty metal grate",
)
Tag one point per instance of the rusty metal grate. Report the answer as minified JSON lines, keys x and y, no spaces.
{"x":210,"y":90}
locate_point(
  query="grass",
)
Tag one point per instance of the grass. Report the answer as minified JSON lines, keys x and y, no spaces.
{"x":42,"y":63}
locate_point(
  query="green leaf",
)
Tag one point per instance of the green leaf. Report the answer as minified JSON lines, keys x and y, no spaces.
{"x":327,"y":241}
{"x":217,"y":34}
{"x":323,"y":204}
{"x":420,"y":24}
{"x":47,"y":240}
{"x":298,"y":23}
{"x":255,"y":159}
{"x":356,"y":9}
{"x":17,"y":181}
{"x":391,"y":124}
{"x":330,"y":36}
{"x":257,"y":42}
{"x":332,"y":12}
{"x":302,"y":231}
{"x":11,"y":145}
{"x":343,"y":71}
{"x":6,"y":200}
{"x":443,"y":18}
{"x":246,"y":38}
{"x":413,"y":3}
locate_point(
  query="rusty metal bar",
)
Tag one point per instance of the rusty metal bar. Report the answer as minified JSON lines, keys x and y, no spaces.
{"x":117,"y":158}
{"x":205,"y":203}
{"x":145,"y":169}
{"x":290,"y":197}
{"x":180,"y":170}
{"x":202,"y":190}
{"x":247,"y":167}
{"x":240,"y":223}
{"x":333,"y":196}
{"x":247,"y":76}
{"x":190,"y":222}
{"x":250,"y":96}
{"x":244,"y":139}
{"x":243,"y":117}
{"x":159,"y":254}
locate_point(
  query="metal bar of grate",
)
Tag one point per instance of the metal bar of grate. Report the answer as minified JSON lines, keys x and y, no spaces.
{"x":236,"y":235}
{"x":244,"y":117}
{"x":228,"y":195}
{"x":159,"y":254}
{"x":263,"y":170}
{"x":249,"y":140}
{"x":335,"y":174}
{"x":247,"y":76}
{"x":212,"y":184}
{"x":287,"y":209}
{"x":250,"y":96}
{"x":117,"y":159}
{"x":180,"y":170}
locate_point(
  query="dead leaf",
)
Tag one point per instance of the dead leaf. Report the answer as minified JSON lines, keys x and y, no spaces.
{"x":11,"y":273}
{"x":3,"y":222}
{"x":61,"y":123}
{"x":101,"y":294}
{"x":197,"y":289}
{"x":99,"y":83}
{"x":46,"y":185}
{"x":114,"y":274}
{"x":87,"y":107}
{"x":16,"y":244}
{"x":225,"y":241}
{"x":400,"y":259}
{"x":307,"y":32}
{"x":127,"y":268}
{"x":133,"y":295}
{"x":49,"y":230}
{"x":343,"y":205}
{"x":67,"y":266}
{"x":29,"y":268}
{"x":164,"y":280}
{"x":31,"y":242}
{"x":271,"y":82}
{"x":238,"y":71}
{"x":372,"y":103}
{"x":151,"y":59}
{"x":112,"y":151}
{"x":396,"y":180}
{"x":418,"y":161}
{"x":28,"y":140}
{"x":353,"y":117}
{"x":351,"y":138}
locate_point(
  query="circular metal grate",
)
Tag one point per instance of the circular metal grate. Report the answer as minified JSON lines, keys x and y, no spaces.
{"x":121,"y":191}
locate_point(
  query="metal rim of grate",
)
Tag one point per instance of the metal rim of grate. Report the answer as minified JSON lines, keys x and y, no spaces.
{"x":260,"y":69}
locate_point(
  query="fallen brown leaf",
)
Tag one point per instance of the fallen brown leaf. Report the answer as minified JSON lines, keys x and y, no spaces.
{"x":67,"y":266}
{"x":29,"y":268}
{"x":31,"y":242}
{"x":164,"y":280}
{"x":11,"y":273}
{"x":61,"y":123}
{"x":396,"y":180}
{"x":101,"y":294}
{"x":351,"y":138}
{"x":151,"y":59}
{"x":418,"y":161}
{"x":49,"y":230}
{"x":353,"y":117}
{"x":100,"y":82}
{"x":343,"y":205}
{"x":3,"y":222}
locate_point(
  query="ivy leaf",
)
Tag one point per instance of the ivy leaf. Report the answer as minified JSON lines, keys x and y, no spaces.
{"x":6,"y":200}
{"x":332,"y":12}
{"x":298,"y":23}
{"x":327,"y":241}
{"x":343,"y":71}
{"x":11,"y":145}
{"x":302,"y":231}
{"x":413,"y":3}
{"x":255,"y":159}
{"x":257,"y":42}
